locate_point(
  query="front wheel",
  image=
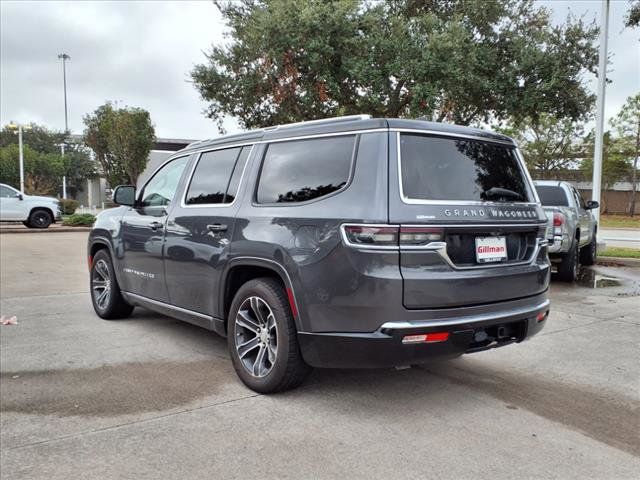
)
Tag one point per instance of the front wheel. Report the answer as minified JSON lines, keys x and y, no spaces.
{"x":40,"y":219}
{"x":262,"y":338}
{"x":105,"y":292}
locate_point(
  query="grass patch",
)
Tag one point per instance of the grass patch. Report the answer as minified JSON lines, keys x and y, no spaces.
{"x":619,"y":221}
{"x":79,"y":220}
{"x":620,"y":252}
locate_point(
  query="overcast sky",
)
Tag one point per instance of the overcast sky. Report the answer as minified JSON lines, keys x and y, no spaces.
{"x":140,"y":54}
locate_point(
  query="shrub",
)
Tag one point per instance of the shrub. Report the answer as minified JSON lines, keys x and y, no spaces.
{"x":68,"y":206}
{"x":79,"y":220}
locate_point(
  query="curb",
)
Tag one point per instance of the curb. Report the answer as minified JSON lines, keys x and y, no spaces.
{"x":619,"y":261}
{"x":44,"y":230}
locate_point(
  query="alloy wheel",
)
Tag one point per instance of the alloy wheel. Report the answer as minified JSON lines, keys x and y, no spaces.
{"x":101,"y":284}
{"x":256,"y":336}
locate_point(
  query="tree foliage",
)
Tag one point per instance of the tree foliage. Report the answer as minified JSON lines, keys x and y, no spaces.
{"x":627,"y":125}
{"x":462,"y":61}
{"x":44,"y":165}
{"x":633,"y":15}
{"x":550,"y":145}
{"x":121,"y":140}
{"x":43,"y":171}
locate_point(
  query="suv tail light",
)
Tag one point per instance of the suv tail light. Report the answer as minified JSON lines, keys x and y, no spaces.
{"x":377,"y":236}
{"x":371,"y":235}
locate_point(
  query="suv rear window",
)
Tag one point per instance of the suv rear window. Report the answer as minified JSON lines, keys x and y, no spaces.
{"x":438,"y":168}
{"x":552,"y":196}
{"x":301,"y":170}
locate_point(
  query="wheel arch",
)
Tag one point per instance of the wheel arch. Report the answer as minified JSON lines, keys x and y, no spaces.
{"x":46,"y":209}
{"x":242,"y":269}
{"x":97,"y":243}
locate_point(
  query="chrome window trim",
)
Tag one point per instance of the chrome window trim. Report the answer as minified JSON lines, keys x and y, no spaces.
{"x":464,"y":319}
{"x":440,"y":133}
{"x":417,"y":201}
{"x":184,"y":204}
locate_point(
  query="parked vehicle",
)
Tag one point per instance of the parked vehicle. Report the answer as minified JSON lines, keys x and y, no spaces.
{"x":347,"y":242}
{"x":32,"y":210}
{"x":572,"y":228}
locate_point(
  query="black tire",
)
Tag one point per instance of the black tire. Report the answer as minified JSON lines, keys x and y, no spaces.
{"x":568,"y":266}
{"x":270,"y":333}
{"x":102,"y":278}
{"x":26,"y":224}
{"x":40,"y":218}
{"x":589,"y":253}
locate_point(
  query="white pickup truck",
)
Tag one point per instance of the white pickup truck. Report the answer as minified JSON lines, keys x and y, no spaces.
{"x":572,"y":227}
{"x":32,"y":210}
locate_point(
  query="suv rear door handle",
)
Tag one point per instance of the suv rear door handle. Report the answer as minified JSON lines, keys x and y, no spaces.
{"x":217,"y":227}
{"x":155,"y":225}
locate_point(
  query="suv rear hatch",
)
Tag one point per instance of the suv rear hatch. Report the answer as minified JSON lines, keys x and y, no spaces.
{"x":470,"y":228}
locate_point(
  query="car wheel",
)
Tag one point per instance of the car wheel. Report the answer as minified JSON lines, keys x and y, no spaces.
{"x":262,"y":338}
{"x":568,"y":267}
{"x":106,"y":296}
{"x":40,"y":219}
{"x":589,"y":253}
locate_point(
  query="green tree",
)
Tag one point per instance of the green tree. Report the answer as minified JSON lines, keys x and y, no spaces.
{"x":121,"y":140}
{"x":463,"y":61}
{"x":633,"y":15}
{"x":615,"y":159}
{"x":549,"y":145}
{"x":43,"y":171}
{"x":38,"y":137}
{"x":627,"y":126}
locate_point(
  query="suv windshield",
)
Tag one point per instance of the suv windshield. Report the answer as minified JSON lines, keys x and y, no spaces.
{"x":552,"y":196}
{"x":438,"y":168}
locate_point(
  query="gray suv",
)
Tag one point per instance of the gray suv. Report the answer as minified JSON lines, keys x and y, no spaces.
{"x":346,"y":242}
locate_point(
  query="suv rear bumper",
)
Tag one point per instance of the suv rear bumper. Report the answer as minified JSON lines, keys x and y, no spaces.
{"x":384,"y":347}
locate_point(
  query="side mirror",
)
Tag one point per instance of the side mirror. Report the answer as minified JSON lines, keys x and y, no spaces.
{"x":591,"y":204}
{"x":19,"y":196}
{"x":124,"y":195}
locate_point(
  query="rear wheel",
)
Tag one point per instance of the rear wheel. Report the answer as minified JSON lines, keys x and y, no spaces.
{"x":262,"y":338}
{"x":105,"y":292}
{"x":40,"y":219}
{"x":589,"y":253}
{"x":568,"y":266}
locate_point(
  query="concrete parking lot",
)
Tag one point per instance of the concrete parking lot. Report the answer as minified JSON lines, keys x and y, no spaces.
{"x":150,"y":397}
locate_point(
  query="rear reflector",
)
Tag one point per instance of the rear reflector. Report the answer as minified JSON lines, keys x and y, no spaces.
{"x":541,"y":316}
{"x":426,"y":338}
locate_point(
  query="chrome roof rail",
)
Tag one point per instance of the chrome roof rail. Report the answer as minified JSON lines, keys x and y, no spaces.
{"x":345,"y":118}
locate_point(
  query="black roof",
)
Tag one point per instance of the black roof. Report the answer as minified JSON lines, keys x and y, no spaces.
{"x":345,"y":124}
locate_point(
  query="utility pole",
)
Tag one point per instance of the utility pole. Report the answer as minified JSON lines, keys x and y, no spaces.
{"x":602,"y":83}
{"x":64,"y":178}
{"x":64,"y":58}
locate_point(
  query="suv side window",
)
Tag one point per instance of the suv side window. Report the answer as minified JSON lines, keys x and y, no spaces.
{"x":301,"y":170}
{"x":6,"y":192}
{"x":161,"y":188}
{"x":216,"y":177}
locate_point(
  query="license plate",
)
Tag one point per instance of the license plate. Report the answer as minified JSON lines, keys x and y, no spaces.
{"x":491,"y":249}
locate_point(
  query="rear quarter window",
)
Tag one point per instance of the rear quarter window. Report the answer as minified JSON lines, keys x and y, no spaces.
{"x":442,"y":168}
{"x":302,"y":170}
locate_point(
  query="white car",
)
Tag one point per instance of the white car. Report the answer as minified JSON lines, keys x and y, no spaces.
{"x":32,"y":210}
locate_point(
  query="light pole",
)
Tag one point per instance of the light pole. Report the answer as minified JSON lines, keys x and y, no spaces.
{"x":64,"y":58}
{"x":64,"y":178}
{"x":19,"y":128}
{"x":602,"y":83}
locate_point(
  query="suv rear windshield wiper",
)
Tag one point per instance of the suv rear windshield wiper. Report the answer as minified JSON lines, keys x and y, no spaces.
{"x":497,"y":192}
